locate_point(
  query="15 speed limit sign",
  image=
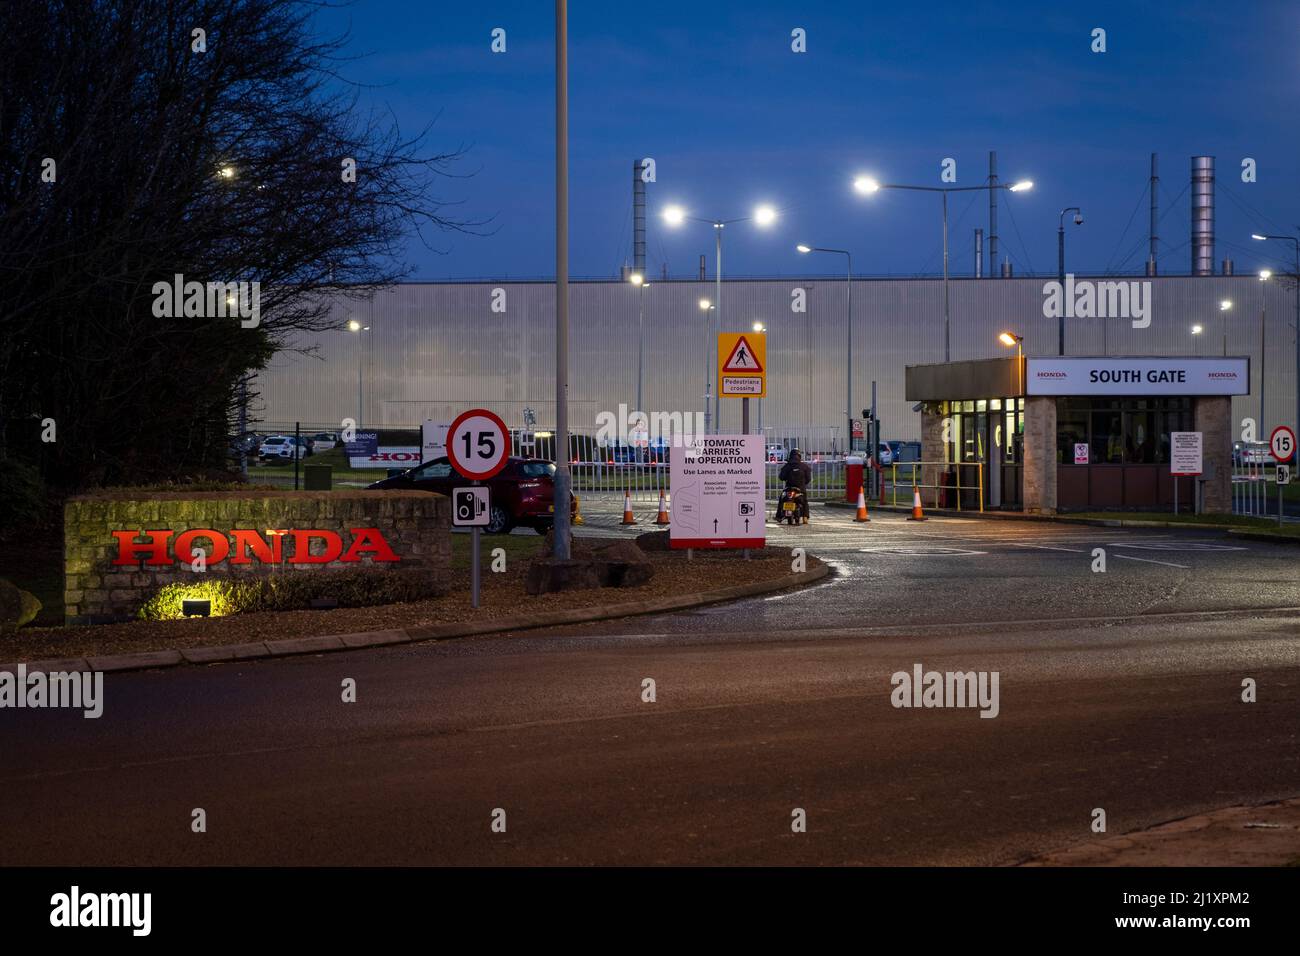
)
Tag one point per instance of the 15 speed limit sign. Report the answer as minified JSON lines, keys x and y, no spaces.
{"x":478,"y":444}
{"x":1282,"y":443}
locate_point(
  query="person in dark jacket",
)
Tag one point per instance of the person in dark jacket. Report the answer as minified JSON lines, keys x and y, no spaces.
{"x":797,"y":474}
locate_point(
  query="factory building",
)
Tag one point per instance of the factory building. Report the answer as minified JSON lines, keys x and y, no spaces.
{"x":425,"y":351}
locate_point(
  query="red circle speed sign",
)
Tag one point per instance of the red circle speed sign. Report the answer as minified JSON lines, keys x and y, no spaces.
{"x":478,"y":444}
{"x":1282,"y":443}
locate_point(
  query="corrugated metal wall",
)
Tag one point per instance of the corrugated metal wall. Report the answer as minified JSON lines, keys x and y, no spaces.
{"x":434,"y":349}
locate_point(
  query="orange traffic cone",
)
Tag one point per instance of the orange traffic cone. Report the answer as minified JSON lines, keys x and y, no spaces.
{"x":916,"y":506}
{"x":577,"y":510}
{"x":862,"y":506}
{"x":627,"y":509}
{"x":663,"y":510}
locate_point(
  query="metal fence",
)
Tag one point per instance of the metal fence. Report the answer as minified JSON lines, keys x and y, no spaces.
{"x":1253,"y":486}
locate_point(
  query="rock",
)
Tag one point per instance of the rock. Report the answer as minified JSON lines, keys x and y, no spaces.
{"x":622,"y":565}
{"x":653,"y":541}
{"x":547,"y":574}
{"x":17,"y":607}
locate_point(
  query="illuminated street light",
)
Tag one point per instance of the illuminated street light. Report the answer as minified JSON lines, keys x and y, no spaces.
{"x":1010,"y":339}
{"x":848,"y":352}
{"x":763,"y":216}
{"x":864,"y":184}
{"x":1197,"y":329}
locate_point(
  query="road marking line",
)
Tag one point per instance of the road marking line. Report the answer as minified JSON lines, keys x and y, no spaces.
{"x":1168,"y":564}
{"x":1045,"y":547}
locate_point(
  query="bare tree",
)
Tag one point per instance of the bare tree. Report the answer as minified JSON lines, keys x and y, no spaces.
{"x":143,"y":139}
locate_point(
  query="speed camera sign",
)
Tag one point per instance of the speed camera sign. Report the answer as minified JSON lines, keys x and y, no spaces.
{"x":1282,"y":443}
{"x":478,"y":444}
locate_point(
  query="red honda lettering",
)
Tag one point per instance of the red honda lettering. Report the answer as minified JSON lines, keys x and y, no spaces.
{"x":185,"y":541}
{"x":302,"y":547}
{"x":370,"y":541}
{"x":266,"y":553}
{"x":128,"y":551}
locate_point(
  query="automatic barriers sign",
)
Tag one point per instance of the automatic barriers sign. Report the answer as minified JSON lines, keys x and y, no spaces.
{"x":718,"y":493}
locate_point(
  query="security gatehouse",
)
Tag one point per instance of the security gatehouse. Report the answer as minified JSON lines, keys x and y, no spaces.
{"x":1079,"y":433}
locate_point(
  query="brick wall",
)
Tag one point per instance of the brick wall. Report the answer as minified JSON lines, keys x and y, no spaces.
{"x":1213,"y":416}
{"x":414,"y":525}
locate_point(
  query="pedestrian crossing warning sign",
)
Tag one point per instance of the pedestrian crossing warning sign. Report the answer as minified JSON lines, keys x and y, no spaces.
{"x":742,"y":364}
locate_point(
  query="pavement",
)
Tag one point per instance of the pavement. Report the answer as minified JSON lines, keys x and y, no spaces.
{"x":1120,"y":691}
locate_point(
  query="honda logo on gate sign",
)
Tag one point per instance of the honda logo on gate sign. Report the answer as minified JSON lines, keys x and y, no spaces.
{"x":243,"y":546}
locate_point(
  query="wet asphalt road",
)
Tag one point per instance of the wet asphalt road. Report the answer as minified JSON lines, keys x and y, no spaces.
{"x":1118,"y":690}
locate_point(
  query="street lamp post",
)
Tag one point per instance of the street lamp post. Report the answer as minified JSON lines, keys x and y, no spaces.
{"x":1295,"y":245}
{"x":848,"y":355}
{"x":1224,"y":307}
{"x":1264,"y":276}
{"x":355,"y":326}
{"x":675,"y":216}
{"x":563,"y":478}
{"x":1060,"y":274}
{"x":706,"y":306}
{"x":638,"y":280}
{"x":762,"y":329}
{"x":866,"y":185}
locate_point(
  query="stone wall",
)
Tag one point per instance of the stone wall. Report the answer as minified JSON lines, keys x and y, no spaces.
{"x":1040,"y":455}
{"x":1213,"y":417}
{"x":406,"y":531}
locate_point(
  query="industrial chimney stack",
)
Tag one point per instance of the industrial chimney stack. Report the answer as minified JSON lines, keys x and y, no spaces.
{"x":1202,"y":215}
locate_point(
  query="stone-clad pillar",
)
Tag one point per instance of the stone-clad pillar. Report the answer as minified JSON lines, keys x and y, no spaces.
{"x":1040,"y":455}
{"x":933,"y":449}
{"x":1213,"y":417}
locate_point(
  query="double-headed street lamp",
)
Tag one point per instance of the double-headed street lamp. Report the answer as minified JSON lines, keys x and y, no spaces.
{"x":675,"y":216}
{"x":866,"y":186}
{"x":848,"y":355}
{"x":355,"y":326}
{"x":1295,"y":245}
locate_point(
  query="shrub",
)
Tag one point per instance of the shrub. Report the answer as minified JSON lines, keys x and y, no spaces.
{"x":354,"y":587}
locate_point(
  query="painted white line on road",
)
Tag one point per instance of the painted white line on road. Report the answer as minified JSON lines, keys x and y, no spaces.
{"x":1043,"y":547}
{"x":1168,"y":564}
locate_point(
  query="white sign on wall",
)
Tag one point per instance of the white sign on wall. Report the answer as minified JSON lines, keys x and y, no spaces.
{"x":433,"y":439}
{"x":718,"y":493}
{"x":1185,"y":453}
{"x":1137,"y":376}
{"x":1081,"y":453}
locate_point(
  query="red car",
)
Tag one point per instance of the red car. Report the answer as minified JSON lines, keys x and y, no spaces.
{"x":523,"y":493}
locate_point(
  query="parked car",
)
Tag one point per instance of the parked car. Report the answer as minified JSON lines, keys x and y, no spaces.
{"x":885,"y":455}
{"x":776,"y":453}
{"x":523,"y":493}
{"x":1251,"y":453}
{"x":905,"y":451}
{"x":322,"y":441}
{"x":283,"y":448}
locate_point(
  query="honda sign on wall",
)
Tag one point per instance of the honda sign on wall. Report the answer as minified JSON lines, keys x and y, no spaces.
{"x":1137,"y":376}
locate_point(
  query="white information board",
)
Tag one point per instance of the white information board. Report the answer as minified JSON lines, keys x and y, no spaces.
{"x":718,"y":493}
{"x":1185,"y":453}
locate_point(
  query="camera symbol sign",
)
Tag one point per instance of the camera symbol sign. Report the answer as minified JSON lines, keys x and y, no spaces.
{"x":471,"y":507}
{"x":478,"y":444}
